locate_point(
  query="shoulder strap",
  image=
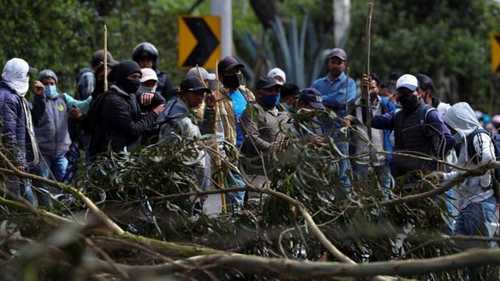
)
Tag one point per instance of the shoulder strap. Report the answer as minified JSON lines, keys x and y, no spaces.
{"x":471,"y":151}
{"x":424,"y":113}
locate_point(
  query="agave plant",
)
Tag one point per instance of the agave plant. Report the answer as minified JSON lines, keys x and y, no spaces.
{"x":297,"y":51}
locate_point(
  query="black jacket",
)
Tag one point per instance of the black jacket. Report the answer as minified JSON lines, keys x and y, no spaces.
{"x":117,"y":121}
{"x":165,"y":87}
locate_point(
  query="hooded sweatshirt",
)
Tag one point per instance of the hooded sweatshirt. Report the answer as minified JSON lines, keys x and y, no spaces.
{"x":462,"y":119}
{"x":177,"y":120}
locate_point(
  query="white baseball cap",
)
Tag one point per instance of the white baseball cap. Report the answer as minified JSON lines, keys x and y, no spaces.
{"x":148,"y":74}
{"x":407,"y":81}
{"x":279,"y":73}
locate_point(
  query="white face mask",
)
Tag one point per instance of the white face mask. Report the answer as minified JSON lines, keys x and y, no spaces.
{"x":143,"y":89}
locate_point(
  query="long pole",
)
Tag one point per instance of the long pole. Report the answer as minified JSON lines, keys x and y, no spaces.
{"x":219,"y":176}
{"x":368,"y":69}
{"x":105,"y":58}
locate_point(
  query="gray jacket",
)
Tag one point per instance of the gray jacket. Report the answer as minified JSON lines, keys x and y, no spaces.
{"x":50,"y":119}
{"x":263,"y":128}
{"x":462,"y":119}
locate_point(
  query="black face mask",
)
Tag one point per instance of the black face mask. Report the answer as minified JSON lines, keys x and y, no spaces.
{"x":129,"y":86}
{"x":409,"y":102}
{"x":99,"y":86}
{"x":120,"y":73}
{"x":231,"y":81}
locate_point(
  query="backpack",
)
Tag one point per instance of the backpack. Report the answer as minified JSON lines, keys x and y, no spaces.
{"x":495,"y":138}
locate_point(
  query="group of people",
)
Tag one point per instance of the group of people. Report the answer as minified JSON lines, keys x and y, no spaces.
{"x":386,"y":124}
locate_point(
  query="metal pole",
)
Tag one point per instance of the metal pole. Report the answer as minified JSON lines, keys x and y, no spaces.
{"x":223,"y":8}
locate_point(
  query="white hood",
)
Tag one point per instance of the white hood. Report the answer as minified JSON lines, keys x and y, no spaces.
{"x":461,"y":118}
{"x":15,"y":75}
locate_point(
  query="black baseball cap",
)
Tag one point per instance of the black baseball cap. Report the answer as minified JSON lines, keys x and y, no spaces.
{"x":266,"y":83}
{"x":98,"y":59}
{"x":311,"y":97}
{"x":193,"y":84}
{"x":290,"y":89}
{"x":229,"y":63}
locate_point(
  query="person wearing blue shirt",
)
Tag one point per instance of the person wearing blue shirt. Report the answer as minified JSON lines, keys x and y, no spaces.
{"x":339,"y":94}
{"x":337,"y":89}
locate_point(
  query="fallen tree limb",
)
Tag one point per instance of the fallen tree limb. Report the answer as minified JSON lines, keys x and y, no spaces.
{"x":292,"y":269}
{"x":14,"y":171}
{"x":164,"y":247}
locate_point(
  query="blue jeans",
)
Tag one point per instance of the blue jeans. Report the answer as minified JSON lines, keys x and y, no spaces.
{"x":50,"y":167}
{"x":451,"y":201}
{"x":21,"y":188}
{"x":344,"y":167}
{"x":235,"y":181}
{"x":478,"y":219}
{"x":57,"y":165}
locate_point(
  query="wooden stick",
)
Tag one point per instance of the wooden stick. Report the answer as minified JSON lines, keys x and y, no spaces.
{"x":105,"y":58}
{"x":368,"y":70}
{"x":218,"y":163}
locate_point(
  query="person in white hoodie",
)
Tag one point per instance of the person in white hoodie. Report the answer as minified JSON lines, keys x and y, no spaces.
{"x":476,"y":200}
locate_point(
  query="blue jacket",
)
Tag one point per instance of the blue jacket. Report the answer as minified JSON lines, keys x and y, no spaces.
{"x":13,"y":124}
{"x":437,"y":126}
{"x":50,"y":119}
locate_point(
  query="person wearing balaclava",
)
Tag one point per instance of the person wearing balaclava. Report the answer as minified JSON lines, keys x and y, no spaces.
{"x":232,"y":100}
{"x":235,"y":98}
{"x":18,"y":136}
{"x":418,"y":129}
{"x":118,"y":120}
{"x":476,"y":199}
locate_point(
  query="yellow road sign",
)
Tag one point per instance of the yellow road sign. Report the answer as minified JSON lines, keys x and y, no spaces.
{"x":495,"y":52}
{"x":199,"y":41}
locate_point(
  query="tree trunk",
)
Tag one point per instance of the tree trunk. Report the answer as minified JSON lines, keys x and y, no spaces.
{"x":265,"y":10}
{"x":341,"y":21}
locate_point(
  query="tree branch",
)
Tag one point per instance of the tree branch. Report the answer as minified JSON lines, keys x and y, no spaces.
{"x":307,"y":270}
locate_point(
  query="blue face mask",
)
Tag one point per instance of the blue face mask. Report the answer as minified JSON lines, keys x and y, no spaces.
{"x":51,"y":91}
{"x":271,"y":101}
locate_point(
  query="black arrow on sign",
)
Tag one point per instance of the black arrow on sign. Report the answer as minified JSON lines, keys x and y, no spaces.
{"x":207,"y":41}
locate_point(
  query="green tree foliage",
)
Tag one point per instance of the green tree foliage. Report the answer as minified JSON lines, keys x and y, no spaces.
{"x":56,"y":35}
{"x":63,"y":34}
{"x":445,"y":39}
